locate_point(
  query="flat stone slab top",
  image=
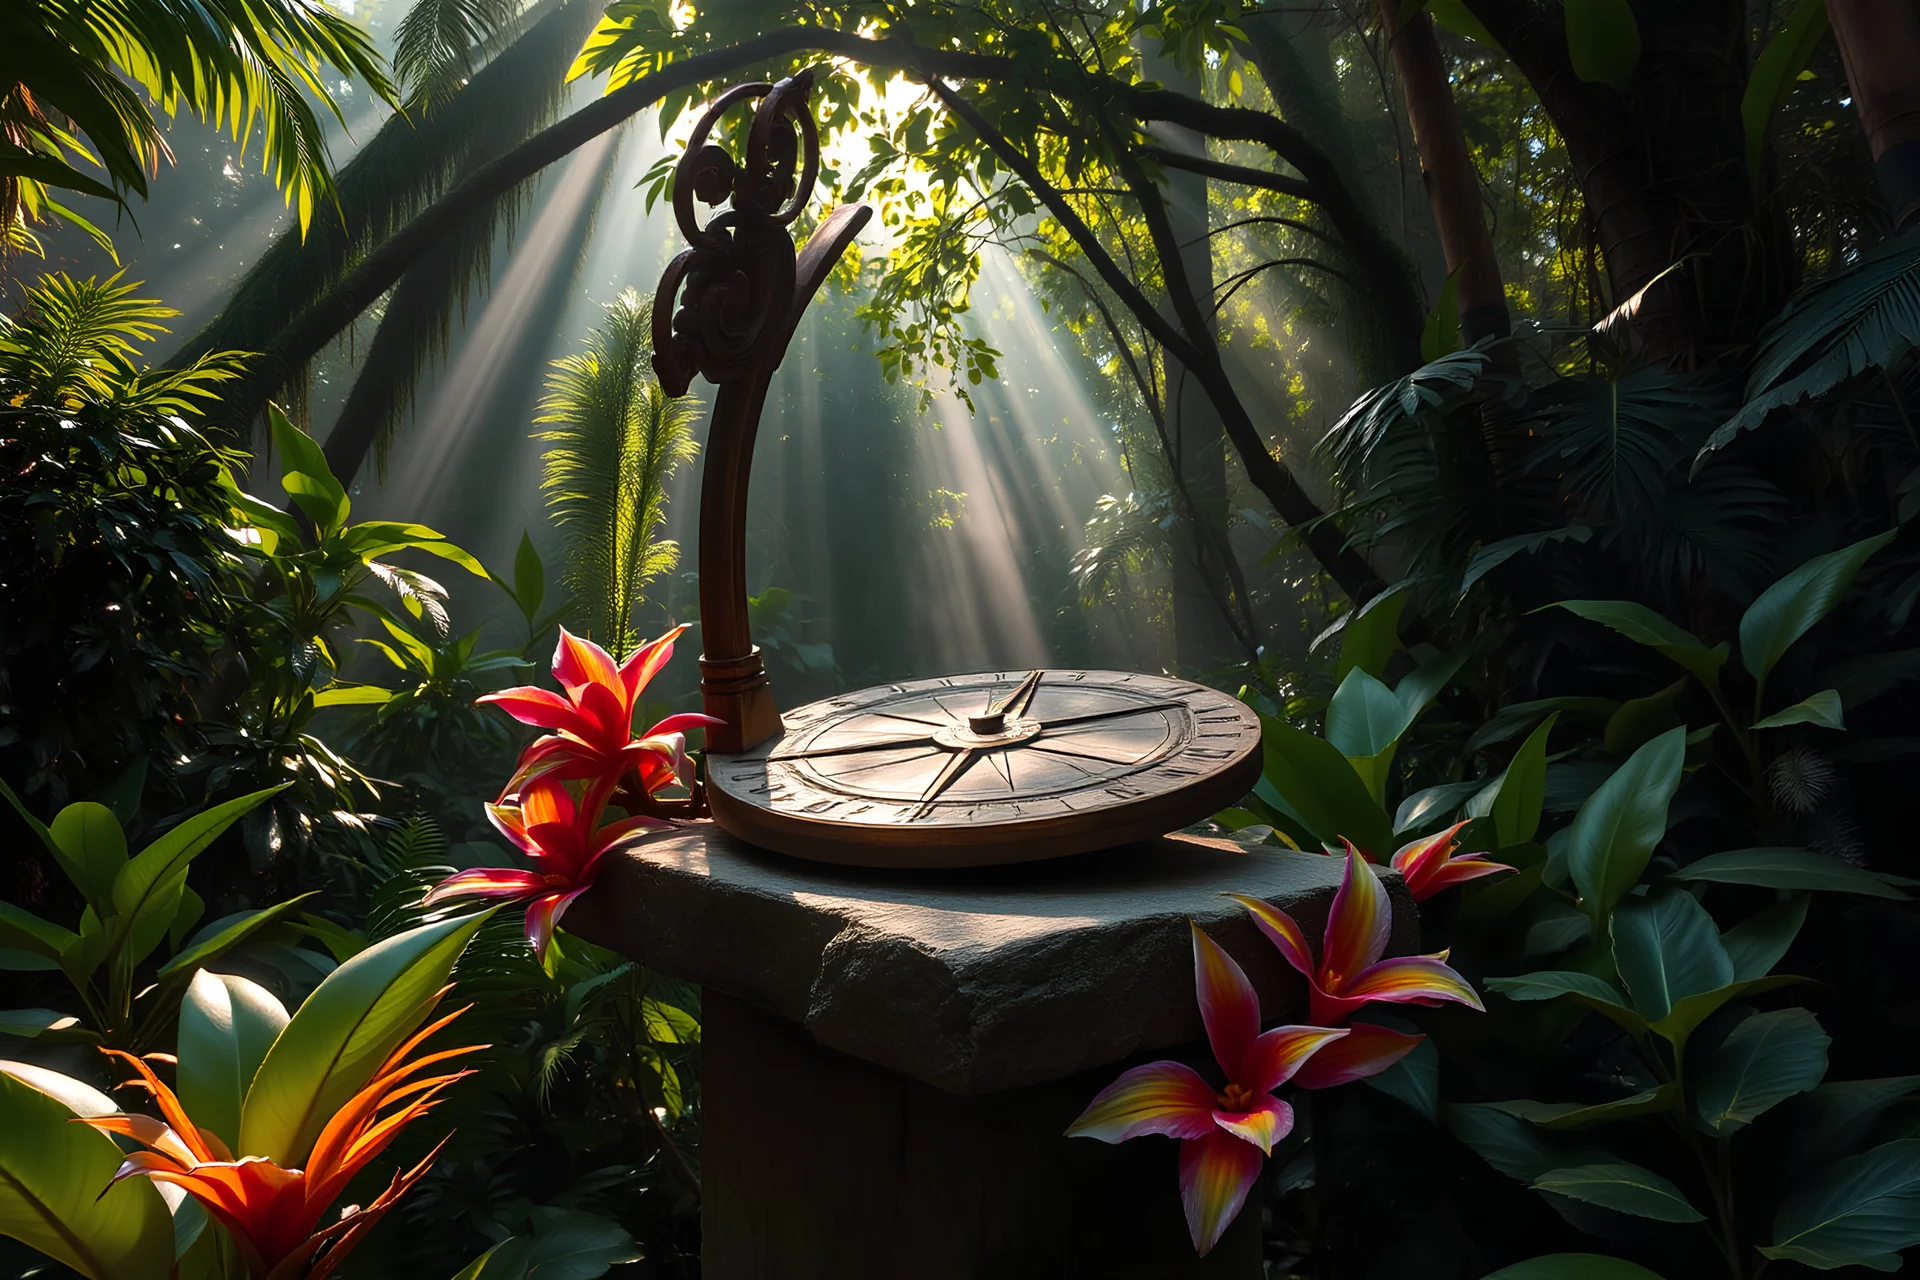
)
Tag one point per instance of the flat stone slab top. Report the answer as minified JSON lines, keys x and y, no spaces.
{"x":971,"y":981}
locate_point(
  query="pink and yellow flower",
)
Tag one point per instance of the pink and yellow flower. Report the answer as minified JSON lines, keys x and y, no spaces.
{"x":1351,"y":972}
{"x":563,"y":839}
{"x":1428,"y":867}
{"x":593,"y":720}
{"x":1226,"y":1133}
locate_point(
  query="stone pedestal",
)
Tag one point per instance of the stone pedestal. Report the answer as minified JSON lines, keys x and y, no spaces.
{"x":889,"y":1061}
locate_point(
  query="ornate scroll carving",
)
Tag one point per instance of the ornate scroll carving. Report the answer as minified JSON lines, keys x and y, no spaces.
{"x":725,"y":310}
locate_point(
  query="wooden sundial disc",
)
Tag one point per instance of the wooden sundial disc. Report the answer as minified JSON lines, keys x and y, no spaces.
{"x":1000,"y":766}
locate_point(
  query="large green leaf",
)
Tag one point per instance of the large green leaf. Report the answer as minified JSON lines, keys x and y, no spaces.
{"x":1774,"y":72}
{"x":305,"y":476}
{"x":96,"y":848}
{"x":1320,"y":786}
{"x":1790,"y":607}
{"x":1614,"y":832}
{"x":227,"y":1024}
{"x":53,"y":1174}
{"x":146,"y":893}
{"x":1863,"y":1211}
{"x":564,"y":1244}
{"x":229,"y":936}
{"x":1603,"y":42}
{"x":1643,"y":626}
{"x":1666,"y":949}
{"x":1583,"y":1115}
{"x":1838,"y":1117}
{"x":1786,"y":869}
{"x":21,"y":930}
{"x":1523,"y":788}
{"x":1822,"y":709}
{"x":1865,"y":317}
{"x":356,"y":1017}
{"x":1690,"y":1011}
{"x":1764,"y":1060}
{"x":1371,"y":635}
{"x":1757,"y":943}
{"x":1550,"y":984}
{"x":1623,"y":1187}
{"x":1364,"y":723}
{"x":1512,"y":1145}
{"x":1573,"y":1266}
{"x":29,"y":1024}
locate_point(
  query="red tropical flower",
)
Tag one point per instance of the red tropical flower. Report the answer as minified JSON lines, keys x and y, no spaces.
{"x":565,"y":844}
{"x":1224,"y":1134}
{"x":593,"y":721}
{"x":1351,"y":972}
{"x":273,"y":1213}
{"x":1428,"y":866}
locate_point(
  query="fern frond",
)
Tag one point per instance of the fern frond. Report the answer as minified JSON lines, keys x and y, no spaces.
{"x":436,"y":46}
{"x":614,"y":439}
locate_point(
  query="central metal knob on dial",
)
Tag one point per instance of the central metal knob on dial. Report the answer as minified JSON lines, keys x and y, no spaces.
{"x":990,"y":725}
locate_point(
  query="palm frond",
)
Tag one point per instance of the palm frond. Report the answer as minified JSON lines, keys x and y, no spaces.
{"x":614,"y":439}
{"x":1124,"y":536}
{"x":1428,"y":394}
{"x":403,"y":168}
{"x":438,"y":43}
{"x":1865,"y":317}
{"x":1617,"y":442}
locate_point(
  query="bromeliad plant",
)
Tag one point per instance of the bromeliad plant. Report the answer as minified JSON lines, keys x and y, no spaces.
{"x":269,"y":1119}
{"x":133,"y":905}
{"x":1227,"y":1132}
{"x":593,"y":745}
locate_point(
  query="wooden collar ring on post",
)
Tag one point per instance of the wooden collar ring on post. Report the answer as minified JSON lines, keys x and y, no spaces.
{"x":994,"y":767}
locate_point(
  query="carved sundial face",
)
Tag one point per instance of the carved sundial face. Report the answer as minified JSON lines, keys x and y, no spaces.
{"x":1000,"y":766}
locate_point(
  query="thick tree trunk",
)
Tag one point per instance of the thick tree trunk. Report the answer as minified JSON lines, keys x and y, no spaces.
{"x":1453,"y":183}
{"x":1880,"y":45}
{"x":1663,"y":171}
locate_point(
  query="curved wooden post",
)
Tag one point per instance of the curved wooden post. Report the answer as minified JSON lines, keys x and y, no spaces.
{"x":744,"y":294}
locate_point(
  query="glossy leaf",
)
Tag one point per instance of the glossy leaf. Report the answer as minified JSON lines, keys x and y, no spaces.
{"x":529,"y":578}
{"x":227,"y":1024}
{"x":1690,"y":1012}
{"x":22,"y":930}
{"x":228,"y":936}
{"x":1822,"y":709}
{"x":67,"y":866}
{"x":146,"y":893}
{"x":1773,"y":74}
{"x":53,"y":1173}
{"x":1839,"y":1117}
{"x":96,"y":849}
{"x":1603,"y":42}
{"x":1371,"y":636}
{"x":305,"y":476}
{"x":1364,"y":723}
{"x":1764,"y":1060}
{"x":564,"y":1244}
{"x":1517,"y":804}
{"x":1573,"y":1266}
{"x":1786,"y":869}
{"x":1757,"y":943}
{"x":1614,"y":832}
{"x":1322,"y":788}
{"x":1581,"y":1115}
{"x":344,"y":1030}
{"x":1550,"y":984}
{"x":1643,"y":626}
{"x":31,"y":1023}
{"x":1623,"y":1187}
{"x":1667,"y":948}
{"x":1790,"y":607}
{"x":1862,"y":1211}
{"x":1640,"y":720}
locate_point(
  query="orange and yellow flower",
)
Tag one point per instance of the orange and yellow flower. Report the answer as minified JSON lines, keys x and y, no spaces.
{"x":1428,"y":866}
{"x":273,"y":1213}
{"x":1350,"y":972}
{"x":593,"y":719}
{"x":1224,"y":1133}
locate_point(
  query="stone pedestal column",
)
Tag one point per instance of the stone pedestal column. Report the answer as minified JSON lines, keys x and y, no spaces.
{"x":889,"y":1061}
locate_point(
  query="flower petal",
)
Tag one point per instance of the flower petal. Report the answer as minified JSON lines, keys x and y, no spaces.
{"x":1228,"y":1006}
{"x":1453,"y":872}
{"x":578,"y":663}
{"x":487,"y":882}
{"x":1216,"y":1172}
{"x":684,"y":721}
{"x":535,"y":706}
{"x":1366,"y":1050}
{"x":1161,"y":1097}
{"x":1412,"y":979}
{"x":646,"y":663}
{"x":611,"y":719}
{"x":1420,"y":856}
{"x":1277,"y":1054}
{"x":1357,"y":927}
{"x":545,"y":801}
{"x":1281,"y":931}
{"x":543,"y":916}
{"x":1264,"y":1124}
{"x":507,"y":820}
